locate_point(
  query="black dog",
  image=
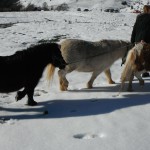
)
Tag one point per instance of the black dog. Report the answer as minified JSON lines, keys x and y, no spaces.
{"x":24,"y":69}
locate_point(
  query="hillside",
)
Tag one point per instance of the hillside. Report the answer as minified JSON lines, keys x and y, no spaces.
{"x":90,"y":4}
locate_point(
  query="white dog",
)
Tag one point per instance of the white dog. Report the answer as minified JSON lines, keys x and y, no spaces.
{"x":86,"y":56}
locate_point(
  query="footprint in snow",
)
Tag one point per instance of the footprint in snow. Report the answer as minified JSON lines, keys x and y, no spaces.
{"x":89,"y":136}
{"x":7,"y":121}
{"x":42,"y":91}
{"x":38,"y":92}
{"x":4,"y":95}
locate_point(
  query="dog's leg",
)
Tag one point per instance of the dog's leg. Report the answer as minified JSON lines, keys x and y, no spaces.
{"x":138,"y":76}
{"x":63,"y":82}
{"x":20,"y":95}
{"x":93,"y":77}
{"x":108,"y":76}
{"x":31,"y":101}
{"x":30,"y":86}
{"x":130,"y":83}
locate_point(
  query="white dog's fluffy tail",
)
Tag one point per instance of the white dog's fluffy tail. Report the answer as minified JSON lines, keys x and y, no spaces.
{"x":129,"y":67}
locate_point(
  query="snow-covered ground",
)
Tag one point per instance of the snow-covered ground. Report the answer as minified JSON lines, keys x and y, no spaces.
{"x":78,"y":119}
{"x":90,"y":4}
{"x":84,"y":3}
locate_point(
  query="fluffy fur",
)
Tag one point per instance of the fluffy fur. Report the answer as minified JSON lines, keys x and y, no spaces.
{"x":24,"y":69}
{"x":127,"y":73}
{"x":87,"y":56}
{"x":138,"y":61}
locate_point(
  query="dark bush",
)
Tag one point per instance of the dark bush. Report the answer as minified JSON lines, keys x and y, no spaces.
{"x":45,"y":6}
{"x":32,"y":7}
{"x":86,"y":9}
{"x":124,"y":3}
{"x":79,"y":9}
{"x":62,"y":7}
{"x":112,"y":10}
{"x":10,"y":5}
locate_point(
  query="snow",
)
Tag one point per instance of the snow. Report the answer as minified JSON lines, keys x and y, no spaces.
{"x":90,"y":4}
{"x":80,"y":118}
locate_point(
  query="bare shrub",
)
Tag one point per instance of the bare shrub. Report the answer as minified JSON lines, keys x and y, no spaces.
{"x":45,"y":6}
{"x":10,"y":5}
{"x":62,"y":7}
{"x":32,"y":7}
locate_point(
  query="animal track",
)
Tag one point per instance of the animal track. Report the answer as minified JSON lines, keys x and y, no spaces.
{"x":38,"y":92}
{"x":7,"y":121}
{"x":4,"y":96}
{"x":42,"y":91}
{"x":2,"y":120}
{"x":89,"y":136}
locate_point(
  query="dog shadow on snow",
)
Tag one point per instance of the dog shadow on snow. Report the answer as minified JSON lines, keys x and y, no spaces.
{"x":61,"y":108}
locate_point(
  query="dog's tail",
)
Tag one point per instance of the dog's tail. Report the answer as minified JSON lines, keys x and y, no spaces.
{"x":50,"y":72}
{"x":128,"y":68}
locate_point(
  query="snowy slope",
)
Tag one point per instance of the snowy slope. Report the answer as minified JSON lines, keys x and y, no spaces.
{"x":84,"y":3}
